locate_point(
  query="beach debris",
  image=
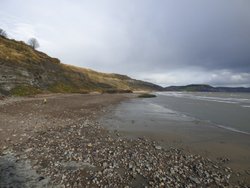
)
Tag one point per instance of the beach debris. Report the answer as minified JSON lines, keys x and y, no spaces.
{"x":44,"y":101}
{"x":195,"y":180}
{"x":89,"y":145}
{"x":28,"y":150}
{"x":158,"y":147}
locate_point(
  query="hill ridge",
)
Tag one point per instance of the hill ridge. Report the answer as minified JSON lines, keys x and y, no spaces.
{"x":25,"y":71}
{"x":206,"y":88}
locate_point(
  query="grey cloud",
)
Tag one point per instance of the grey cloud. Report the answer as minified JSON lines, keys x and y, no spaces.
{"x":161,"y":41}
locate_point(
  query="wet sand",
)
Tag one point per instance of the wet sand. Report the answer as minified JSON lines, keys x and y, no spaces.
{"x":136,"y":118}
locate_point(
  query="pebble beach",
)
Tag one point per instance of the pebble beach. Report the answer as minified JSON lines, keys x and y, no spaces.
{"x":61,"y":143}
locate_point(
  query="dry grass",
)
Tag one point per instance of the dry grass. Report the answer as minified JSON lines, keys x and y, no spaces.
{"x":62,"y":78}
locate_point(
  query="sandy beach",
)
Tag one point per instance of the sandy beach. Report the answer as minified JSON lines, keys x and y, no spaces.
{"x":60,"y":143}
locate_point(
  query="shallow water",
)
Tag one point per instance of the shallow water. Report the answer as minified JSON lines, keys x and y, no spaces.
{"x":224,"y":110}
{"x":212,"y":124}
{"x":227,"y":110}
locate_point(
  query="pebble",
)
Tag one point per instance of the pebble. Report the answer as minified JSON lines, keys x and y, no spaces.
{"x":89,"y":145}
{"x":195,"y":180}
{"x":158,"y":147}
{"x":112,"y":161}
{"x":105,"y":164}
{"x":28,"y":150}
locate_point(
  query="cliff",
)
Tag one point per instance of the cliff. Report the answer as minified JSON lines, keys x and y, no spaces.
{"x":25,"y":71}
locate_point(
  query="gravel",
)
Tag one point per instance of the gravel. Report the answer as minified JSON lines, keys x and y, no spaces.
{"x":81,"y":153}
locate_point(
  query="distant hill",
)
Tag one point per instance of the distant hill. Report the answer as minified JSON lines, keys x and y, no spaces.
{"x":206,"y":88}
{"x":24,"y":71}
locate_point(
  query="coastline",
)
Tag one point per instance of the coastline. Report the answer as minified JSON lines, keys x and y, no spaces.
{"x":61,"y":143}
{"x":137,"y":118}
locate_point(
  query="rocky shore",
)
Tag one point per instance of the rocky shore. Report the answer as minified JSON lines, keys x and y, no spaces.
{"x":61,"y":144}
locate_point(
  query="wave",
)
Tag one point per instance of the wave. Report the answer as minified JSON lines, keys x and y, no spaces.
{"x":232,"y":129}
{"x":229,"y":100}
{"x":171,"y":114}
{"x":159,"y":109}
{"x":246,"y":106}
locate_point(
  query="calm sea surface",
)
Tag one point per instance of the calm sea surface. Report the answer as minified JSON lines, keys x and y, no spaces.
{"x":229,"y":111}
{"x":211,"y":124}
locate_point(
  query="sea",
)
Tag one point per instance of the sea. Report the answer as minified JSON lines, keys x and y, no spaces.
{"x":213,"y":124}
{"x":230,"y":111}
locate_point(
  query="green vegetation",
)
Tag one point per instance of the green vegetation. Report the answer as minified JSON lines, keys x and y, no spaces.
{"x":206,"y":88}
{"x":21,"y":64}
{"x":62,"y":88}
{"x":191,"y":88}
{"x":25,"y":90}
{"x":18,"y":52}
{"x":146,"y":95}
{"x":111,"y":91}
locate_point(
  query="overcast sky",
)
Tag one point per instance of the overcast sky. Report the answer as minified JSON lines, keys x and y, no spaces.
{"x":167,"y":42}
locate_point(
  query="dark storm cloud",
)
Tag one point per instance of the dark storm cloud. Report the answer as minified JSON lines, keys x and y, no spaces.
{"x":208,"y":35}
{"x":166,"y":42}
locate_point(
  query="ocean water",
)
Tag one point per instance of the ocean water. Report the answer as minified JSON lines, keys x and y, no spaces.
{"x":214,"y":125}
{"x":230,"y":111}
{"x":183,"y":110}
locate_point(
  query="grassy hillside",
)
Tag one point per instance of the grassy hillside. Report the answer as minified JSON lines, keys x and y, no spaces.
{"x":24,"y":71}
{"x":191,"y":88}
{"x":206,"y":88}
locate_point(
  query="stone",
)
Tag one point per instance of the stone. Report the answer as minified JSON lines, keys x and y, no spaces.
{"x":158,"y":147}
{"x":195,"y":180}
{"x":105,"y":164}
{"x":28,"y":150}
{"x":89,"y":145}
{"x":130,"y":165}
{"x":172,"y":171}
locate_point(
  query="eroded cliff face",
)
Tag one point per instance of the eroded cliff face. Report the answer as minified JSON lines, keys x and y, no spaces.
{"x":25,"y":71}
{"x":13,"y":76}
{"x":40,"y":77}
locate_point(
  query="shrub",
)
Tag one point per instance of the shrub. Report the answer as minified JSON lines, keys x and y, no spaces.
{"x":146,"y":95}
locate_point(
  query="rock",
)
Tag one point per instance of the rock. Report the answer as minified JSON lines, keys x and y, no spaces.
{"x":105,"y":164}
{"x":63,"y":177}
{"x":158,"y":147}
{"x":44,"y":101}
{"x":216,"y":179}
{"x":41,"y":178}
{"x":85,"y":125}
{"x":5,"y":147}
{"x":130,"y":165}
{"x":89,"y":145}
{"x":207,"y":174}
{"x":28,"y":150}
{"x":172,"y":171}
{"x":73,"y":165}
{"x":195,"y":180}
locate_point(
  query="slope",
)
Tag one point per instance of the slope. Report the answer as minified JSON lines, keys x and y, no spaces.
{"x":24,"y":71}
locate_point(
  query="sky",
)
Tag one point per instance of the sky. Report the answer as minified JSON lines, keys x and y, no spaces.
{"x":167,"y":42}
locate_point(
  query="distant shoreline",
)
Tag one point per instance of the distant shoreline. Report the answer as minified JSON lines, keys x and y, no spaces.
{"x":206,"y":88}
